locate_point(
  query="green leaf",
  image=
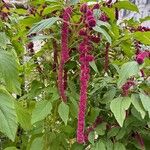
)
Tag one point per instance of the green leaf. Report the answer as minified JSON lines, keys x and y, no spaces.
{"x":113,"y":132}
{"x":109,"y":95}
{"x":101,"y":129}
{"x":42,"y":109}
{"x":110,"y":12}
{"x":91,"y":137}
{"x":101,"y":30}
{"x":63,"y":111}
{"x":10,"y":148}
{"x":102,"y":23}
{"x":143,"y":37}
{"x":9,"y":71}
{"x":50,"y":9}
{"x":4,"y":40}
{"x":93,"y":65}
{"x":119,"y":146}
{"x":44,"y":24}
{"x":147,"y":18}
{"x":127,"y":70}
{"x":73,"y":2}
{"x":8,"y":118}
{"x":37,"y":144}
{"x":119,"y":106}
{"x":138,"y":105}
{"x":126,"y":5}
{"x":145,"y":99}
{"x":23,"y":116}
{"x":100,"y":146}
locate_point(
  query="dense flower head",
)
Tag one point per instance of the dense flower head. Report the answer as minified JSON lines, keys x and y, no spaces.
{"x":30,"y":45}
{"x":84,"y":8}
{"x":96,"y":6}
{"x":127,"y":86}
{"x":94,"y":38}
{"x":141,"y":56}
{"x":92,"y":22}
{"x":83,"y":32}
{"x":89,"y":13}
{"x":104,"y":17}
{"x":86,"y":59}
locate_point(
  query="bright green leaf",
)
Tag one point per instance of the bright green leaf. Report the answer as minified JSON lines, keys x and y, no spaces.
{"x":9,"y":71}
{"x":8,"y":118}
{"x":11,"y":148}
{"x":110,"y":12}
{"x":42,"y":109}
{"x":91,"y":137}
{"x":93,"y":65}
{"x":143,"y":37}
{"x":113,"y":132}
{"x":128,"y":70}
{"x":126,"y":5}
{"x":23,"y":116}
{"x":100,"y":129}
{"x":4,"y":40}
{"x":100,"y":145}
{"x":101,"y":30}
{"x":145,"y":99}
{"x":138,"y":105}
{"x":37,"y":144}
{"x":50,"y":9}
{"x":63,"y":111}
{"x":119,"y":146}
{"x":44,"y":24}
{"x":118,"y":107}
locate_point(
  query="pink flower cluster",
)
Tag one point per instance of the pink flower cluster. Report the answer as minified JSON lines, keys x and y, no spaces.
{"x":64,"y":52}
{"x":89,"y":17}
{"x":127,"y":86}
{"x":104,"y":17}
{"x":141,"y":56}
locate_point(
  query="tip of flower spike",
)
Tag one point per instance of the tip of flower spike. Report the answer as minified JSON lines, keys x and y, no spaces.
{"x":141,"y":56}
{"x":94,"y":39}
{"x":84,"y":8}
{"x":82,"y":32}
{"x":92,"y":23}
{"x":104,"y":17}
{"x":96,"y":6}
{"x":89,"y":13}
{"x":30,"y":45}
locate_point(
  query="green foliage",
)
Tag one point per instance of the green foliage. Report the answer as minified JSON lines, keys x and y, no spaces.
{"x":63,"y":111}
{"x":8,"y":116}
{"x":118,"y":107}
{"x":41,"y":110}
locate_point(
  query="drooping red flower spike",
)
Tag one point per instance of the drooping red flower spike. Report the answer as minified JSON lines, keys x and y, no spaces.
{"x":64,"y":52}
{"x":85,"y":57}
{"x":84,"y":8}
{"x":96,"y":6}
